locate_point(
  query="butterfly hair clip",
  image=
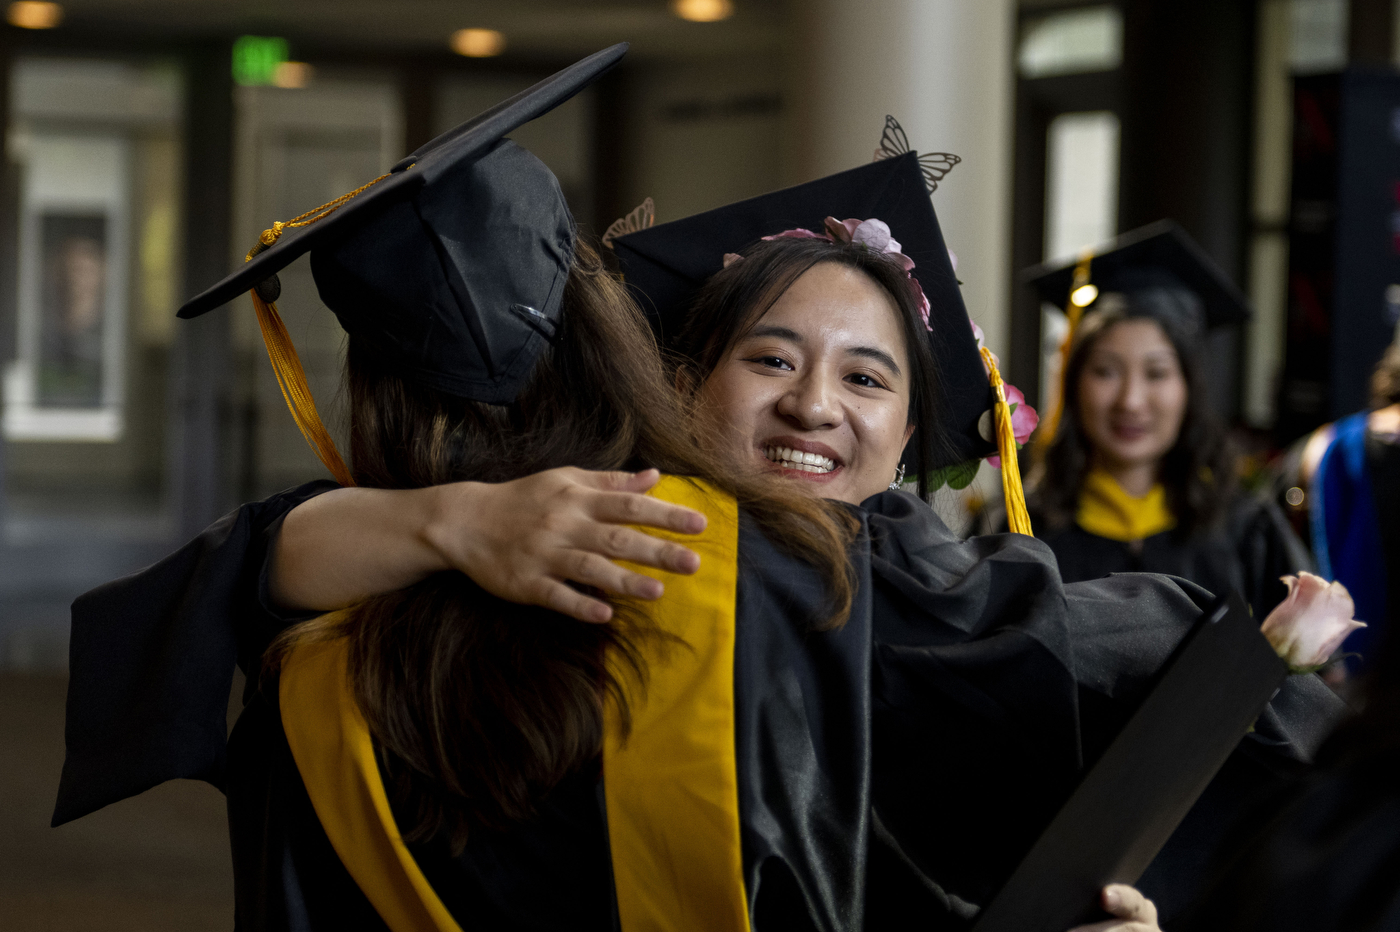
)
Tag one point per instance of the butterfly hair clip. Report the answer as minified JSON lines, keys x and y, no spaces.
{"x":641,"y":218}
{"x":934,"y":165}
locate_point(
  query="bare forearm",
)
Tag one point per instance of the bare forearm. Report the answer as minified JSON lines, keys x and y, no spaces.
{"x":349,"y":544}
{"x":533,"y":540}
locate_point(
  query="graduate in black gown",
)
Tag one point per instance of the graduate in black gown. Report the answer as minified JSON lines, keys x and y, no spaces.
{"x":1330,"y":861}
{"x":887,"y":770}
{"x":1349,"y":469}
{"x":1136,"y":473}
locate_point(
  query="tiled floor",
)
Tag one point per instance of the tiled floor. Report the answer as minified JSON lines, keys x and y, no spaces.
{"x":155,"y":863}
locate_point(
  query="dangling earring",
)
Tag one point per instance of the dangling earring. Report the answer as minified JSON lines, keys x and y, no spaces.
{"x":898,"y":478}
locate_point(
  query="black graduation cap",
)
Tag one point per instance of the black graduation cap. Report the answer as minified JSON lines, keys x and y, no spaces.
{"x":1163,"y":273}
{"x":453,"y":264}
{"x":666,"y":264}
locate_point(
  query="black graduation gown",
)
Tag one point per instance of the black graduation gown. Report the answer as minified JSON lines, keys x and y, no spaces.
{"x":1330,"y":860}
{"x":890,"y":772}
{"x":1250,"y":551}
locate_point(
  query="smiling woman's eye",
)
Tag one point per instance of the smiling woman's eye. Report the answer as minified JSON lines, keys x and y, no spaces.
{"x":865,"y":381}
{"x":771,"y":362}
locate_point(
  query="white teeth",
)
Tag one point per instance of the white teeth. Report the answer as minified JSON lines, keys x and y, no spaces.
{"x":797,"y":459}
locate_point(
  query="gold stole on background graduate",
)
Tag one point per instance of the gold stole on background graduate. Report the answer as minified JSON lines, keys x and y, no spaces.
{"x":671,"y":785}
{"x":1108,"y":511}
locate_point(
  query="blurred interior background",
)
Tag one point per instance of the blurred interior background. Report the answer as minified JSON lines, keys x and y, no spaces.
{"x":148,"y":142}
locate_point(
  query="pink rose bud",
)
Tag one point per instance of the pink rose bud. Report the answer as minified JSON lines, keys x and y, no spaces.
{"x":1024,"y":418}
{"x":1308,"y":626}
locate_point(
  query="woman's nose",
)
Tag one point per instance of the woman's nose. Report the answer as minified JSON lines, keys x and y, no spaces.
{"x":810,"y":404}
{"x":1132,"y":393}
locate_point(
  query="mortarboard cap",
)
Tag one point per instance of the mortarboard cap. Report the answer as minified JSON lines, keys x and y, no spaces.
{"x":1161,"y":271}
{"x":452,"y":264}
{"x":666,"y":264}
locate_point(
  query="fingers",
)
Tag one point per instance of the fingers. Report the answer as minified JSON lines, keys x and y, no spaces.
{"x":590,"y":569}
{"x":624,"y":503}
{"x":618,"y":480}
{"x":1132,"y":911}
{"x":567,"y":600}
{"x":623,"y":543}
{"x":1125,"y":902}
{"x":631,"y":508}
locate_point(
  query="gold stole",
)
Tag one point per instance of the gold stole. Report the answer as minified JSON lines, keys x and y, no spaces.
{"x":671,"y":785}
{"x":1106,"y":510}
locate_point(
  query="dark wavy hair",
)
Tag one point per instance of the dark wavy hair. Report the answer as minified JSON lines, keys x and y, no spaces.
{"x":1198,"y":471}
{"x":733,"y":300}
{"x":478,"y":706}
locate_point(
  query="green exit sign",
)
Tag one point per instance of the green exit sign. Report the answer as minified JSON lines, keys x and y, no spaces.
{"x":255,"y":58}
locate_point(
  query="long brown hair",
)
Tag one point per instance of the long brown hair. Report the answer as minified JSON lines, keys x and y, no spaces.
{"x":479,"y":706}
{"x":1197,"y":472}
{"x":733,"y":301}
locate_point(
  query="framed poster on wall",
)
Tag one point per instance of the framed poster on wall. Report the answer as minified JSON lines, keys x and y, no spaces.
{"x":66,"y":382}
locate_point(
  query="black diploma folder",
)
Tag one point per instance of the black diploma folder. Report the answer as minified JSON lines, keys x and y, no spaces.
{"x":1128,"y":804}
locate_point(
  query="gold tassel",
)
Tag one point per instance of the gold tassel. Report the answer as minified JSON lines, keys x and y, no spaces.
{"x":291,"y":378}
{"x":1016,"y":516}
{"x":286,"y":365}
{"x":1074,"y":311}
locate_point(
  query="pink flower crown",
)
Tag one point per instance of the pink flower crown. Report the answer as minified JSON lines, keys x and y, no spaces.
{"x":872,"y":234}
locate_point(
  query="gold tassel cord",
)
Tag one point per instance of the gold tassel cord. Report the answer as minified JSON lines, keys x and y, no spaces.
{"x":1074,"y":311}
{"x":1017,"y":517}
{"x":282,"y":353}
{"x":270,"y":235}
{"x":291,"y":378}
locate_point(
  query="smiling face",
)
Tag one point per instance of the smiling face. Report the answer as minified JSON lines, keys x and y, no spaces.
{"x":819,"y":388}
{"x":1132,"y":395}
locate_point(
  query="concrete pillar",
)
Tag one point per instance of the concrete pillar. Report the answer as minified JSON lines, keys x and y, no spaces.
{"x":944,"y":69}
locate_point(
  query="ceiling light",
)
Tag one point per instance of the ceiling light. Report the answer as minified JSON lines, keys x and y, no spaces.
{"x":28,"y":14}
{"x":703,"y":11}
{"x":292,"y":74}
{"x":478,"y":43}
{"x":1084,"y":295}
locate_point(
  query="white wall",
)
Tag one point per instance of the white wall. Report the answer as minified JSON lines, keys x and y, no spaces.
{"x":944,"y":69}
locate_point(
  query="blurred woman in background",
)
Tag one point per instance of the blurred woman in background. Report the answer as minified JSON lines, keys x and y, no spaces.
{"x":1138,"y":475}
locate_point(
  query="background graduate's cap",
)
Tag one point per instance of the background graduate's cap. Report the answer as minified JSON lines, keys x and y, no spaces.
{"x":1159,"y":269}
{"x":666,"y":264}
{"x":451,"y":265}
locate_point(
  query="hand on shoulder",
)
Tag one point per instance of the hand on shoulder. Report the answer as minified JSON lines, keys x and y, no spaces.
{"x":529,"y":539}
{"x":538,"y":540}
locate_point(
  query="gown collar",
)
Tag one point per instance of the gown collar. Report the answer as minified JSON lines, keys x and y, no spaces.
{"x":1108,"y":511}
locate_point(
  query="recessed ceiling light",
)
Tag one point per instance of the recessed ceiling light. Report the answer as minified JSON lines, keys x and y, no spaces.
{"x":292,"y":74}
{"x":478,"y":43}
{"x":28,"y":14}
{"x":703,"y":11}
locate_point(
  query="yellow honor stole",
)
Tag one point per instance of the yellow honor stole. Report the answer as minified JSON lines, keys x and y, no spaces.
{"x":671,"y":785}
{"x":1106,"y":510}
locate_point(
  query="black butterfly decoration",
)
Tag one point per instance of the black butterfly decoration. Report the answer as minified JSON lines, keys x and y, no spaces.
{"x":934,"y":165}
